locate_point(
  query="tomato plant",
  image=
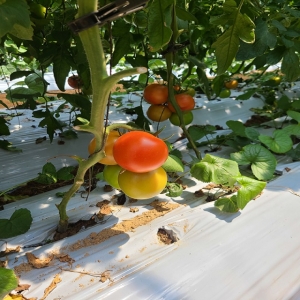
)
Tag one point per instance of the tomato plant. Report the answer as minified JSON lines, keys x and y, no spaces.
{"x":109,"y":158}
{"x":156,"y":93}
{"x":225,"y":93}
{"x":139,"y":151}
{"x":231,"y":84}
{"x":185,"y":102}
{"x":143,"y":185}
{"x":111,"y":174}
{"x":158,"y":113}
{"x":187,"y":118}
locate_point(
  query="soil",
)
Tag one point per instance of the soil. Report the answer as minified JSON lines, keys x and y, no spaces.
{"x":33,"y":188}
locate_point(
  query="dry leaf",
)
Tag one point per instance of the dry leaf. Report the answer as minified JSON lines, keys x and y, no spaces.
{"x":9,"y":251}
{"x":38,"y":263}
{"x":52,"y":286}
{"x":22,"y":287}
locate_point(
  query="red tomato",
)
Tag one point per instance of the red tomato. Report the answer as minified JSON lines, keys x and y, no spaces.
{"x":143,"y":185}
{"x":156,"y":93}
{"x":185,"y":102}
{"x":74,"y":82}
{"x":109,"y":158}
{"x":158,"y":113}
{"x":139,"y":151}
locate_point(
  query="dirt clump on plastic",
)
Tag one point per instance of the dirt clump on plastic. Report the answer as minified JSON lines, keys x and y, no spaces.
{"x":159,"y":209}
{"x":164,"y":237}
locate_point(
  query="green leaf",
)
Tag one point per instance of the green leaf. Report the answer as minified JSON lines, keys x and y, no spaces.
{"x":290,"y":65}
{"x":294,"y":115}
{"x":247,"y":95}
{"x":21,"y":93}
{"x":174,"y":189}
{"x":294,"y":153}
{"x":197,"y":132}
{"x":49,"y":168}
{"x":251,"y":133}
{"x":262,"y":161}
{"x":65,"y":173}
{"x":18,"y":12}
{"x":228,"y":205}
{"x":122,"y":48}
{"x":6,"y":145}
{"x":4,"y":129}
{"x":77,"y":100}
{"x":21,"y":32}
{"x":237,"y":127}
{"x":279,"y":143}
{"x":245,"y":28}
{"x":19,"y":223}
{"x":8,"y":281}
{"x":158,"y":30}
{"x":215,"y":169}
{"x":61,"y":69}
{"x":19,"y":74}
{"x":292,"y":129}
{"x":52,"y":124}
{"x":173,"y":164}
{"x":226,"y":47}
{"x":249,"y":189}
{"x":263,"y":40}
{"x":185,"y":15}
{"x":36,"y":83}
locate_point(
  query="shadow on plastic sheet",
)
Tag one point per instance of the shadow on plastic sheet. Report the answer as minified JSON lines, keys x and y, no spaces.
{"x":227,"y":217}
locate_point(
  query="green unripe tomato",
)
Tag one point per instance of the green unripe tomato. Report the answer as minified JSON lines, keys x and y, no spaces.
{"x":225,"y":93}
{"x":111,"y":174}
{"x":187,"y":118}
{"x":37,"y":10}
{"x":190,"y":91}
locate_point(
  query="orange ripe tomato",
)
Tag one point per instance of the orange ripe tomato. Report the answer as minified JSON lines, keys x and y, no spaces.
{"x":158,"y":113}
{"x":156,"y":93}
{"x":109,"y":158}
{"x":185,"y":102}
{"x":231,"y":84}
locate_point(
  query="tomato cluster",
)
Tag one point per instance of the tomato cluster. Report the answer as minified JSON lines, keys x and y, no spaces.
{"x":162,"y":109}
{"x":134,"y":163}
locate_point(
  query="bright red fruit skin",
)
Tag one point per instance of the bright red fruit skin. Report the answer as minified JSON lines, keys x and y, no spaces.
{"x":139,"y":151}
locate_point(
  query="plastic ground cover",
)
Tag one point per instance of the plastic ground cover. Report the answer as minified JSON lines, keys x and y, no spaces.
{"x":253,"y":254}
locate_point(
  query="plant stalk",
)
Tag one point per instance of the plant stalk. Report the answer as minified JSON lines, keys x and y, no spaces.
{"x":102,"y":85}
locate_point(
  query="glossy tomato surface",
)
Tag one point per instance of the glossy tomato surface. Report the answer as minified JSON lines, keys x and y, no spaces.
{"x":158,"y":113}
{"x":143,"y":185}
{"x":139,"y":151}
{"x":111,"y":174}
{"x":232,"y":84}
{"x":185,"y":102}
{"x":187,"y":118}
{"x":109,"y":158}
{"x":225,"y":93}
{"x":156,"y":93}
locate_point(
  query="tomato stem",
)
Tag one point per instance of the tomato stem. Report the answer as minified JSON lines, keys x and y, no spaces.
{"x":102,"y":84}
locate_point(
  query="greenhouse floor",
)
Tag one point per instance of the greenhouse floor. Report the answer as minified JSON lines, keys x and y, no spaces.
{"x":252,"y":254}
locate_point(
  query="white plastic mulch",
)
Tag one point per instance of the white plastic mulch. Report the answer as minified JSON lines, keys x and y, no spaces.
{"x":253,"y":254}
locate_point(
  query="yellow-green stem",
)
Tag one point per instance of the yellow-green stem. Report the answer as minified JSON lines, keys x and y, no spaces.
{"x":102,"y":85}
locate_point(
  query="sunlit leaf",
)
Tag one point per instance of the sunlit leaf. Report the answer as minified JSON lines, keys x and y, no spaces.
{"x":19,"y":223}
{"x":227,"y":204}
{"x":215,"y":169}
{"x":249,"y":189}
{"x":280,"y":142}
{"x":262,"y":161}
{"x":8,"y":281}
{"x":173,"y":164}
